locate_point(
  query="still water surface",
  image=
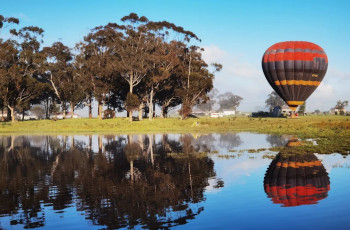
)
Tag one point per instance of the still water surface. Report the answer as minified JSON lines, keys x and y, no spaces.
{"x":211,"y":181}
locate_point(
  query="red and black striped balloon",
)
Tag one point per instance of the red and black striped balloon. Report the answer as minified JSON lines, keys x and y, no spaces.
{"x":294,"y":69}
{"x":296,"y":179}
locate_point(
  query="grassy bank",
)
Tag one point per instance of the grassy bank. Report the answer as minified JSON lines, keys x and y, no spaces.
{"x":331,"y":132}
{"x":308,"y":126}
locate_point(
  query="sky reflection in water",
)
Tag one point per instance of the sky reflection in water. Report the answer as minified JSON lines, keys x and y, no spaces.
{"x":168,"y":181}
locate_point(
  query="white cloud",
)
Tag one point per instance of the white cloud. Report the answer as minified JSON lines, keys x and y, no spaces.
{"x":232,"y":65}
{"x":323,"y":91}
{"x":213,"y":54}
{"x":338,"y":74}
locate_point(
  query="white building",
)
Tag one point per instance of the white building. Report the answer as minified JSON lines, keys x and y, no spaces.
{"x":216,"y":115}
{"x":229,"y":112}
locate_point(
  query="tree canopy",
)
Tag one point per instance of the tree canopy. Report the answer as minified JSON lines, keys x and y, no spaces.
{"x":132,"y":65}
{"x":274,"y":100}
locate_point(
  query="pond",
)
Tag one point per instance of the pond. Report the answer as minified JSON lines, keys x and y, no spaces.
{"x":177,"y":181}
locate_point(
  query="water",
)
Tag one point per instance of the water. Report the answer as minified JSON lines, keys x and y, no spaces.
{"x":212,"y":181}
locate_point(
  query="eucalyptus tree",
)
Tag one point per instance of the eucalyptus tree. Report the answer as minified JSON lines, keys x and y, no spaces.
{"x":21,"y":66}
{"x":147,"y":49}
{"x":341,"y":104}
{"x":133,"y":50}
{"x":274,"y":100}
{"x":229,"y":100}
{"x":167,"y":99}
{"x":164,"y":60}
{"x":7,"y":21}
{"x":97,"y":55}
{"x":208,"y":103}
{"x":63,"y":76}
{"x":194,"y":78}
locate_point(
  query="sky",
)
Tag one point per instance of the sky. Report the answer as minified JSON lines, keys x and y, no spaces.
{"x":233,"y":33}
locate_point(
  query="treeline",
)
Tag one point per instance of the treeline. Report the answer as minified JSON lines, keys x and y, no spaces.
{"x":130,"y":66}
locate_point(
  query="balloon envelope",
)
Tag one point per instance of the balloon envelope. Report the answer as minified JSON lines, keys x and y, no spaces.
{"x":294,"y":69}
{"x":296,"y":179}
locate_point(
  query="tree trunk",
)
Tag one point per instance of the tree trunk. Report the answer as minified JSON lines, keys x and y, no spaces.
{"x":64,"y":143}
{"x":100,"y":105}
{"x":23,"y":112}
{"x":71,"y":109}
{"x":73,"y":143}
{"x":47,"y":108}
{"x":162,"y":112}
{"x":90,"y":143}
{"x":12,"y":115}
{"x":8,"y":118}
{"x":130,"y":116}
{"x":131,"y":86}
{"x":150,"y":108}
{"x":132,"y":171}
{"x":141,"y":142}
{"x":154,"y":109}
{"x":64,"y":111}
{"x":90,"y":108}
{"x":100,"y":145}
{"x":140,"y":111}
{"x":150,"y":136}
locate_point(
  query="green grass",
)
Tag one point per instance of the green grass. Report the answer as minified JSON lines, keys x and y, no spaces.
{"x":308,"y":126}
{"x":332,"y":133}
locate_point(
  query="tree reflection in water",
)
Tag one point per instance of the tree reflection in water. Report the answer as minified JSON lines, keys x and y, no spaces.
{"x":153,"y":181}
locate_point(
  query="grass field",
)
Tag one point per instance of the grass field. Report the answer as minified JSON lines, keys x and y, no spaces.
{"x":308,"y":126}
{"x":332,"y":132}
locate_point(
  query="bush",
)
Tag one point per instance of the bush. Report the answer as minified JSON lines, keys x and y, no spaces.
{"x":108,"y":113}
{"x":131,"y":102}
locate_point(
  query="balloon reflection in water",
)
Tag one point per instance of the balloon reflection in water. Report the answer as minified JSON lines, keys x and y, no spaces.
{"x":294,"y":179}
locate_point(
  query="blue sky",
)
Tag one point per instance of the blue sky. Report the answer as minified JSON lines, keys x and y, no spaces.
{"x":234,"y":33}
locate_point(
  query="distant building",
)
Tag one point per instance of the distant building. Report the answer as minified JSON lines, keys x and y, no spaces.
{"x":199,"y":112}
{"x":216,"y":115}
{"x":228,"y":112}
{"x":29,"y":117}
{"x":339,"y":111}
{"x":68,"y":115}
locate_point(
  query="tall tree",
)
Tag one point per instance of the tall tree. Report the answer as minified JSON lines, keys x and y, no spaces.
{"x":64,"y":76}
{"x":208,"y":104}
{"x":302,"y":108}
{"x":133,"y":49}
{"x":164,"y":60}
{"x":274,"y":100}
{"x":229,"y":100}
{"x":21,"y":65}
{"x":167,"y":98}
{"x":98,"y":57}
{"x":341,"y":106}
{"x":194,"y":78}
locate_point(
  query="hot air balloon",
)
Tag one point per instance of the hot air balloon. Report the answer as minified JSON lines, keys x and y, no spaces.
{"x":294,"y":69}
{"x":294,"y":179}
